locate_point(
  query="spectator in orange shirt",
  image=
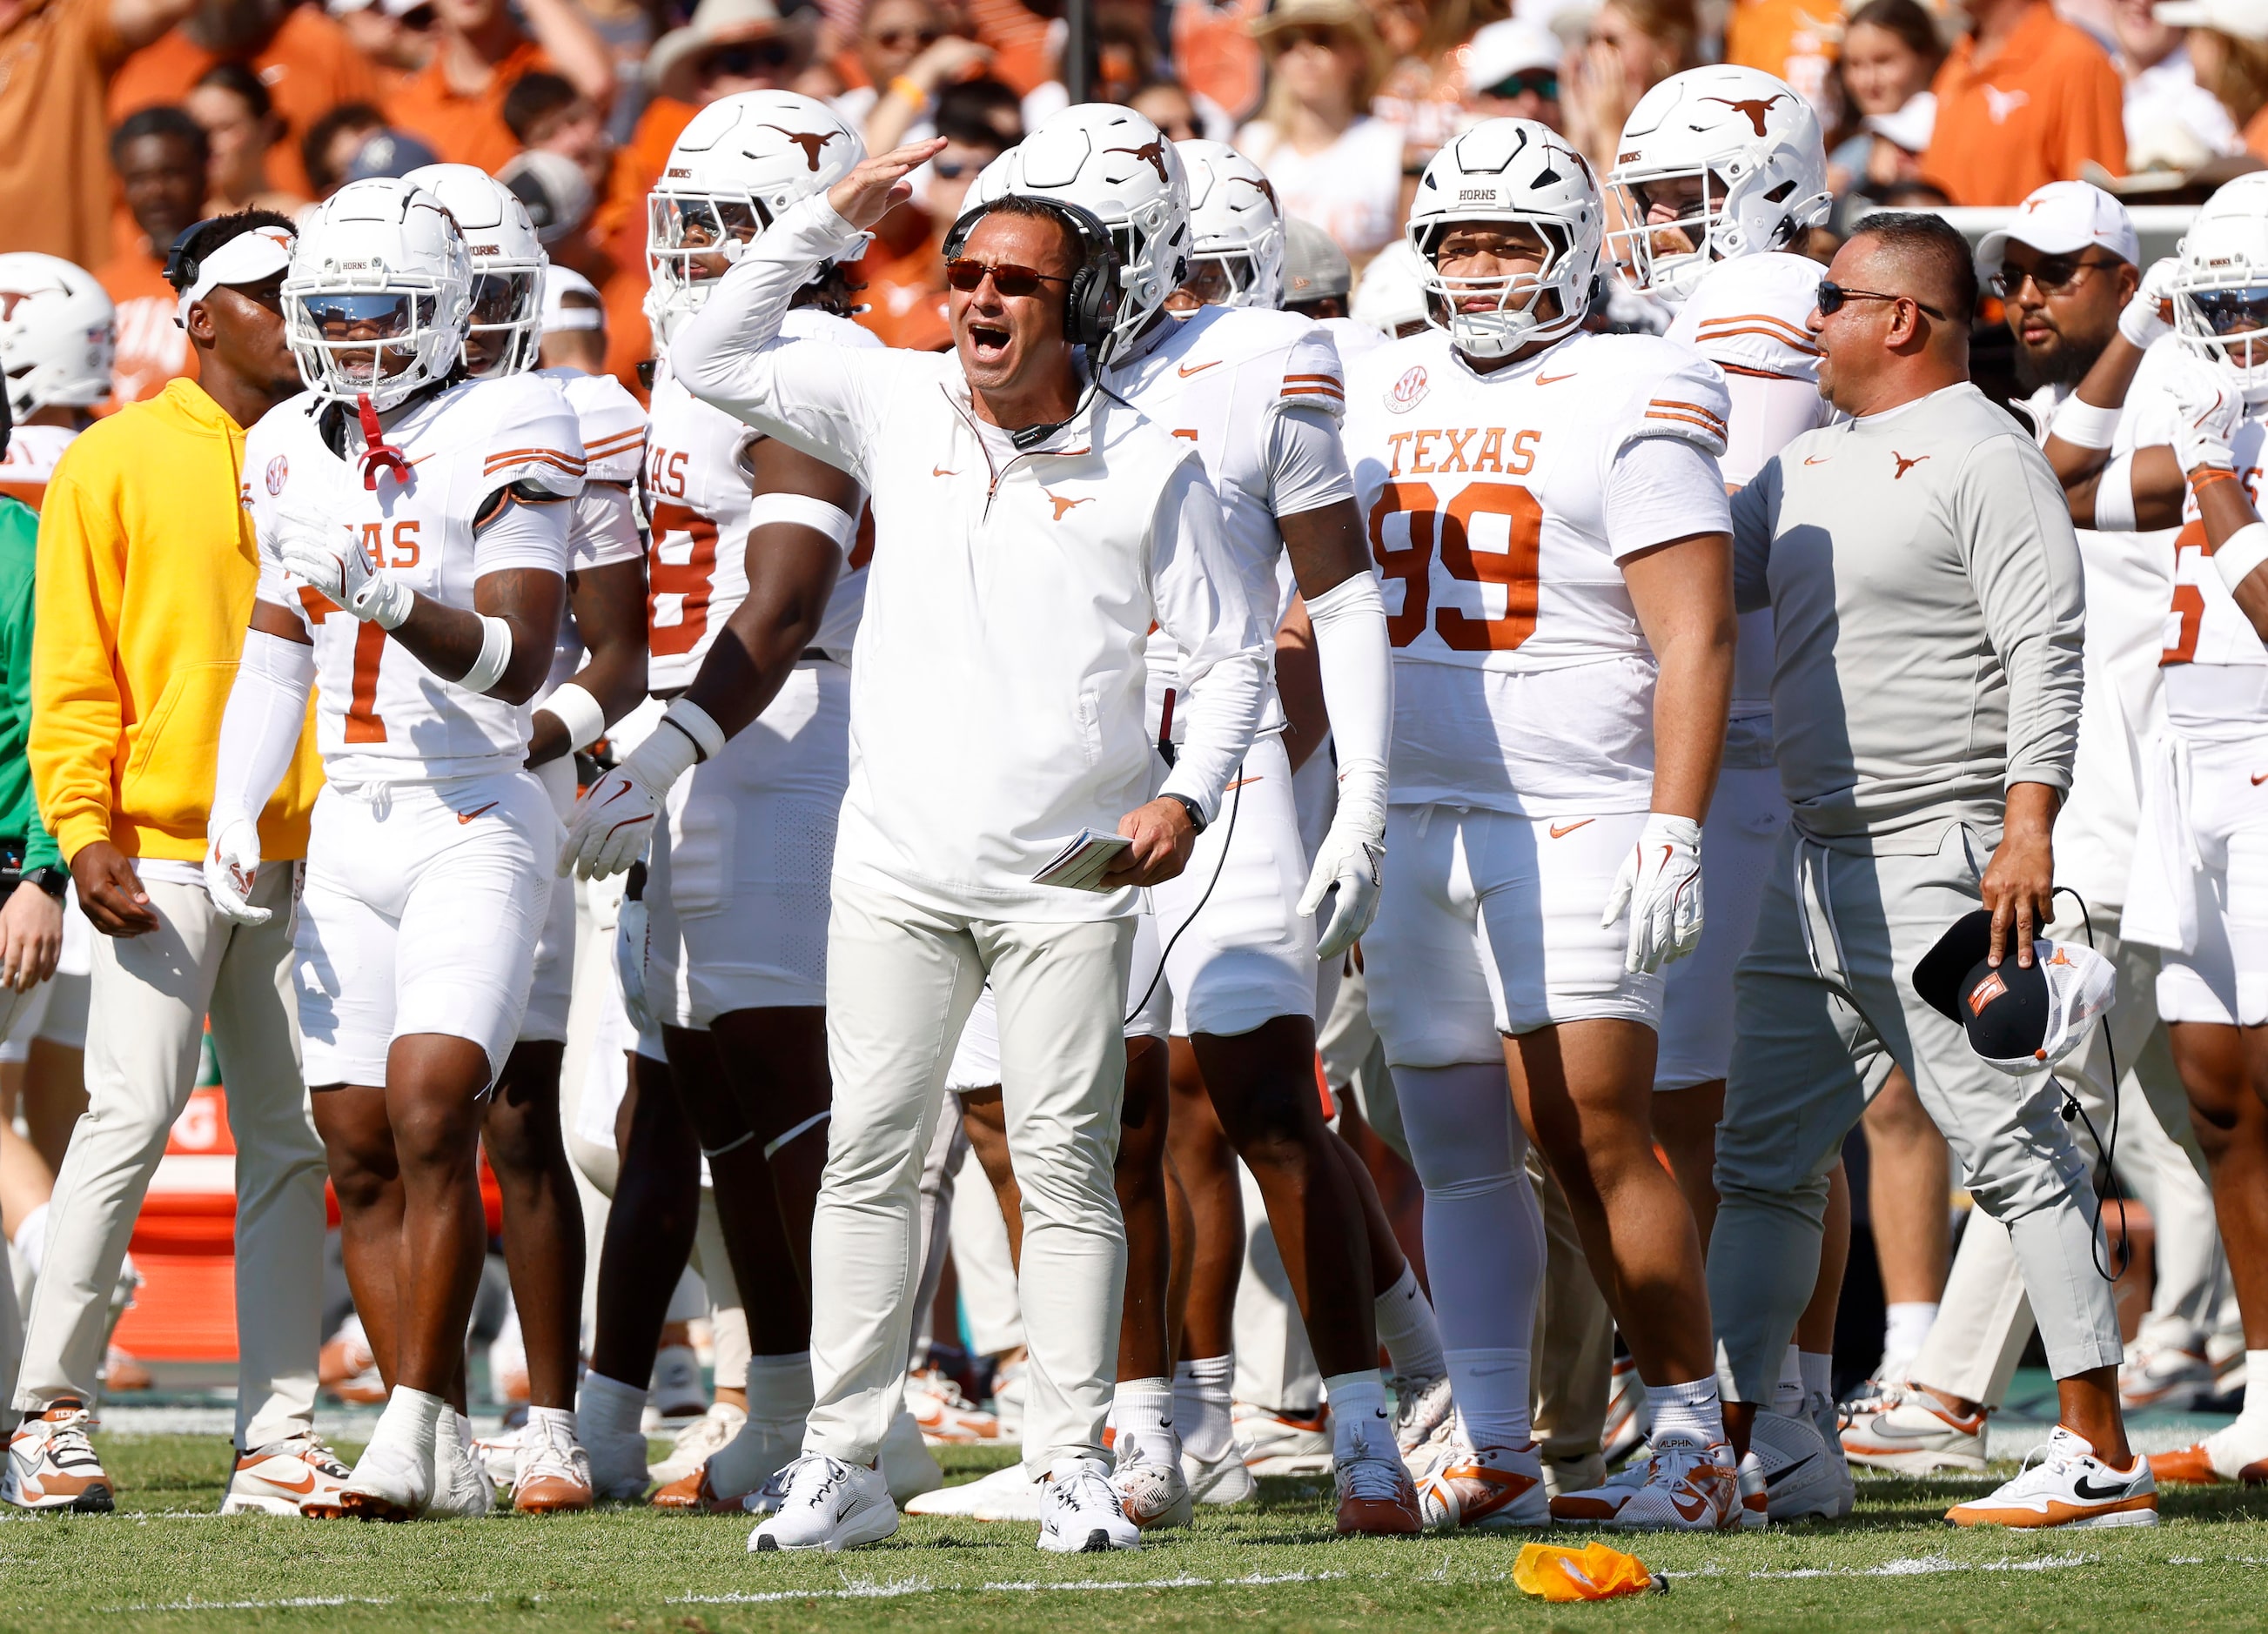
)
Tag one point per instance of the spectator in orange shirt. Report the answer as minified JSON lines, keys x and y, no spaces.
{"x":2023,"y":99}
{"x":300,"y":54}
{"x":456,"y":106}
{"x":395,"y":36}
{"x":162,"y":161}
{"x":241,"y":125}
{"x":2229,"y":48}
{"x":1796,"y":40}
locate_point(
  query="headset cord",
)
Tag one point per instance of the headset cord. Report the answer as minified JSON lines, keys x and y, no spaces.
{"x":2072,"y":1110}
{"x":1235,"y":799}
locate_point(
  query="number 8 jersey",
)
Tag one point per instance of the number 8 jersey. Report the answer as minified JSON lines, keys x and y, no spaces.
{"x":1499,"y":509}
{"x":381,"y":714}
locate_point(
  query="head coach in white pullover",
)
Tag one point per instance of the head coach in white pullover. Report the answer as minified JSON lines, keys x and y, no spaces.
{"x":1028,"y":531}
{"x":1925,"y":594}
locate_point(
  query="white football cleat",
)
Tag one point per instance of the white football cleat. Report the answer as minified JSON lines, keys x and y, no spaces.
{"x":301,"y":1476}
{"x":1484,"y":1488}
{"x":1422,"y":1412}
{"x":700,"y":1441}
{"x":946,"y":1416}
{"x":52,"y":1466}
{"x":554,"y":1472}
{"x":1916,"y":1433}
{"x":1282,"y":1444}
{"x":1152,"y":1495}
{"x":828,"y":1506}
{"x":1799,"y":1469}
{"x":1007,"y":1494}
{"x":498,"y":1455}
{"x":394,"y":1478}
{"x":1224,"y":1480}
{"x":1080,"y":1514}
{"x":2069,"y":1487}
{"x":1688,"y":1487}
{"x":1597,"y":1504}
{"x":461,"y":1488}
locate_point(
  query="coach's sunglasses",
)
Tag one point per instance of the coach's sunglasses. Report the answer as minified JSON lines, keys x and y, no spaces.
{"x":967,"y":275}
{"x":1832,"y":297}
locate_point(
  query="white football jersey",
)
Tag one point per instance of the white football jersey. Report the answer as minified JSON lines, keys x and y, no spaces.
{"x":30,"y":462}
{"x":381,"y":714}
{"x":1747,"y":317}
{"x":696,"y":488}
{"x":1522,"y":681}
{"x":612,"y":426}
{"x":1219,"y":378}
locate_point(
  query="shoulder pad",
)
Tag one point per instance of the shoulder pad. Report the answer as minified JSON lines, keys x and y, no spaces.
{"x":1749,"y":315}
{"x":1313,"y":377}
{"x":1669,"y":392}
{"x":532,"y":436}
{"x":612,"y":426}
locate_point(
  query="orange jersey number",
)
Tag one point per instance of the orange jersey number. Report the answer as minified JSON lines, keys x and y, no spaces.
{"x":362,"y":724}
{"x":1450,"y":531}
{"x":689,"y":580}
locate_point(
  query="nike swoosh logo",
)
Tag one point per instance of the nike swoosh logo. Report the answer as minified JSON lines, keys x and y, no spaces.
{"x":1817,"y":459}
{"x":468,"y":816}
{"x":1241,"y":782}
{"x":1779,"y":1476}
{"x":2088,"y":1490}
{"x":1188,"y":370}
{"x":1694,"y":1514}
{"x":2259,"y":777}
{"x":305,"y":1483}
{"x":939,"y":470}
{"x":1554,"y":379}
{"x":1560,"y":831}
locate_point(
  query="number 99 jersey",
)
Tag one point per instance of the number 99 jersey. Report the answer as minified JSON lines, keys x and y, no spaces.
{"x":1500,"y":508}
{"x":381,"y":715}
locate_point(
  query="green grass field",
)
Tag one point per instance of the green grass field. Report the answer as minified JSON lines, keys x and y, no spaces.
{"x":166,"y":1562}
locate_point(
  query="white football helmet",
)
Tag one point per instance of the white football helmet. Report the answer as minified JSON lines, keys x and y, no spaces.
{"x":378,"y":294}
{"x":58,"y":331}
{"x":1749,"y":148}
{"x":1510,"y":170}
{"x":2220,"y":290}
{"x":508,"y":263}
{"x":1390,"y":295}
{"x":1236,"y":219}
{"x":1121,"y":169}
{"x":743,"y":160}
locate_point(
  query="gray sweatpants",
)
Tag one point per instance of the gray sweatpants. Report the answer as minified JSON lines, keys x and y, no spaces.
{"x":1823,"y":993}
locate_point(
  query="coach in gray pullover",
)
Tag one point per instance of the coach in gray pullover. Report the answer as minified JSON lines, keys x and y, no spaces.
{"x":1925,"y":596}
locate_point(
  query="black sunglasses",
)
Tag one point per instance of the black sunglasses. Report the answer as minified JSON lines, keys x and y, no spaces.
{"x":1832,"y":297}
{"x":967,"y":275}
{"x":1544,"y":83}
{"x":2054,"y":275}
{"x":750,"y":56}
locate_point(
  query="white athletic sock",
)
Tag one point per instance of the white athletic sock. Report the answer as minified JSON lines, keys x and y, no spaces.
{"x":1818,"y":1373}
{"x":32,"y":1238}
{"x":1358,"y":1416}
{"x":779,"y":1387}
{"x":1489,"y":1389}
{"x":412,"y":1418}
{"x":559,"y":1419}
{"x":1788,"y":1389}
{"x":1142,"y":1413}
{"x":1201,"y":1406}
{"x":1694,"y":1409}
{"x":1407,"y":1329}
{"x":2256,"y":1388}
{"x":1906,"y":1324}
{"x":608,"y":1406}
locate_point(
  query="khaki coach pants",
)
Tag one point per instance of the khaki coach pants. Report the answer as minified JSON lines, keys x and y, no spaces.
{"x":149,"y":998}
{"x":901,"y":982}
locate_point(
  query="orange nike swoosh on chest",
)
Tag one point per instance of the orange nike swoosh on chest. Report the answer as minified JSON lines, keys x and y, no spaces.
{"x":1554,"y":379}
{"x":1188,"y":370}
{"x":1560,"y":831}
{"x":468,"y":816}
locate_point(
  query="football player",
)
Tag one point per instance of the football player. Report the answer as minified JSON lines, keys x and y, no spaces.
{"x":1546,"y":510}
{"x":414,"y":531}
{"x":58,"y":331}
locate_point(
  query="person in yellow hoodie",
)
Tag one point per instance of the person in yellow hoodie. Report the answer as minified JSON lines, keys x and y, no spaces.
{"x":145,"y":580}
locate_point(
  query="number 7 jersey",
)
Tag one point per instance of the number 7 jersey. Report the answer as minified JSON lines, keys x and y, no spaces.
{"x":381,"y":714}
{"x":1499,"y":509}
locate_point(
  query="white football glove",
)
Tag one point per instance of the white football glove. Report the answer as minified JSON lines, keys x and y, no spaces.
{"x":1660,"y":884}
{"x":617,"y":814}
{"x":1348,"y":860}
{"x":232,"y":869}
{"x":327,"y":558}
{"x":2208,"y":411}
{"x":2149,"y":316}
{"x":629,"y":963}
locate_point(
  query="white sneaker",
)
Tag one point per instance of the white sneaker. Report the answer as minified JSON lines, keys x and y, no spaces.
{"x":1484,"y":1489}
{"x":698,"y":1442}
{"x":676,"y":1393}
{"x":394,"y":1478}
{"x":1224,"y":1480}
{"x":498,"y":1455}
{"x":2167,"y":1369}
{"x":1282,"y":1444}
{"x":1916,"y":1433}
{"x":461,"y":1488}
{"x":946,"y":1416}
{"x":1422,"y":1412}
{"x":2069,"y":1487}
{"x":1152,"y":1495}
{"x":828,"y":1506}
{"x":1596,"y":1505}
{"x":301,"y":1476}
{"x":1080,"y":1514}
{"x":908,"y":1467}
{"x":52,"y":1466}
{"x":554,"y":1472}
{"x":1688,"y":1487}
{"x":1007,"y":1494}
{"x":1798,"y":1469}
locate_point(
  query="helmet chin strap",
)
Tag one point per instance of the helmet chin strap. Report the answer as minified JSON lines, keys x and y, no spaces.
{"x":377,"y":454}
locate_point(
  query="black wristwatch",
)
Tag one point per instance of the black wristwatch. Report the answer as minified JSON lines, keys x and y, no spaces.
{"x":52,"y":880}
{"x":1196,"y":810}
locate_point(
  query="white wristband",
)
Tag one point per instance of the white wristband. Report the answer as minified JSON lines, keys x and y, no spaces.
{"x":579,"y":712}
{"x":495,"y":655}
{"x":2085,"y":425}
{"x":802,"y":510}
{"x":699,"y":727}
{"x":2113,"y":497}
{"x":2240,"y":553}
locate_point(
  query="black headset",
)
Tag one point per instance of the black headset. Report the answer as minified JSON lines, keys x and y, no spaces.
{"x":181,"y":268}
{"x":1091,"y":305}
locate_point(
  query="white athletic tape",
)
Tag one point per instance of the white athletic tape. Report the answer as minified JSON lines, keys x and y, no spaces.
{"x":803,"y":511}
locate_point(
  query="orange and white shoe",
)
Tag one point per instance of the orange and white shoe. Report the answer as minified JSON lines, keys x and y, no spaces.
{"x":1917,"y":1433}
{"x":694,"y":1494}
{"x":2069,"y":1487}
{"x":1375,"y":1493}
{"x":1484,"y":1489}
{"x":348,"y":1367}
{"x":1596,"y":1505}
{"x":554,"y":1472}
{"x":946,"y":1416}
{"x":1282,"y":1444}
{"x":301,"y":1476}
{"x":1690,"y":1486}
{"x":1153,"y":1495}
{"x":2236,"y":1453}
{"x":1627,"y":1418}
{"x":2167,"y":1369}
{"x":52,"y":1466}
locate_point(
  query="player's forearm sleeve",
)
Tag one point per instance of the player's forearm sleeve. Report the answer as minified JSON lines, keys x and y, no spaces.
{"x":1356,"y":663}
{"x":1200,"y":603}
{"x":2023,"y":564}
{"x":732,"y":355}
{"x":260,"y":729}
